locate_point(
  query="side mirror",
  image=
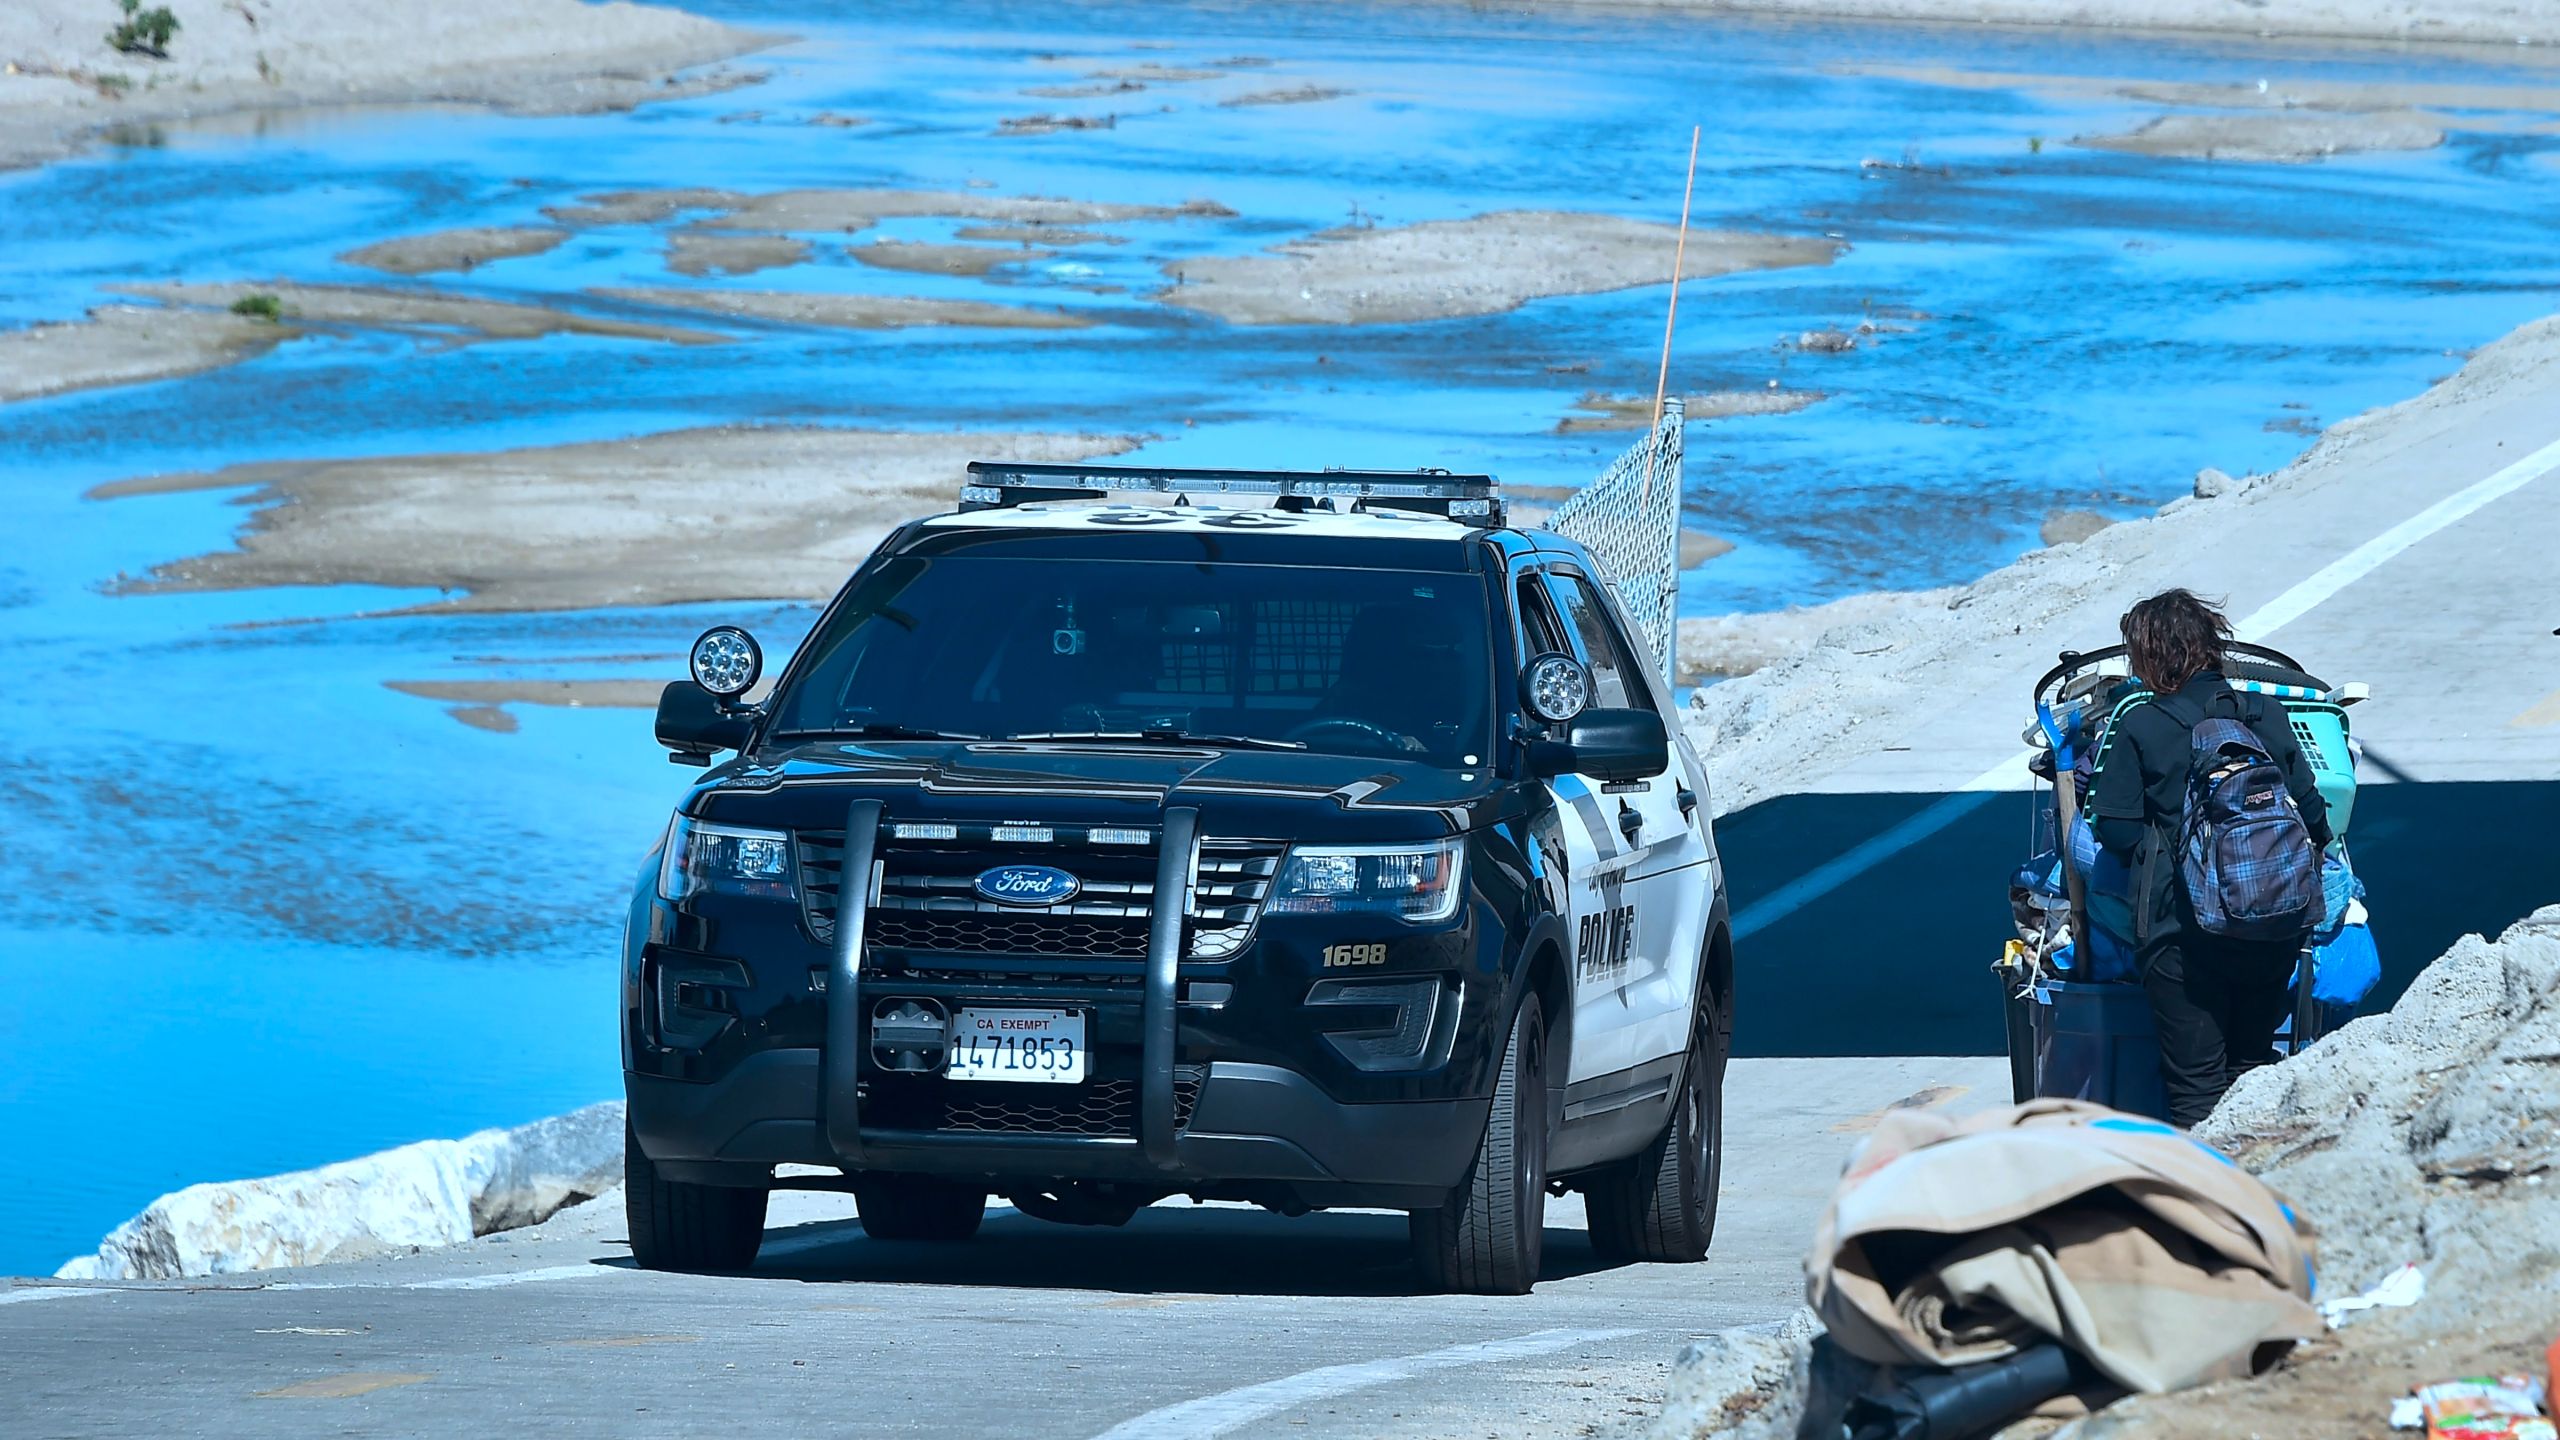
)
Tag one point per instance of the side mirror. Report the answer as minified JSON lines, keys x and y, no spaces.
{"x":693,"y":723}
{"x":1607,"y":745}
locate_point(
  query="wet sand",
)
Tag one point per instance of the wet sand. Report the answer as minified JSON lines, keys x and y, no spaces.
{"x":482,"y":704}
{"x":2280,"y":139}
{"x":719,"y":513}
{"x":1035,"y":233}
{"x":1301,"y":95}
{"x":703,"y":252}
{"x":925,"y":257}
{"x":640,"y":207}
{"x":1480,"y":266}
{"x":462,"y":249}
{"x":416,"y":309}
{"x":853,"y":312}
{"x":804,"y":210}
{"x":127,"y":344}
{"x":1598,"y":412}
{"x":528,"y":56}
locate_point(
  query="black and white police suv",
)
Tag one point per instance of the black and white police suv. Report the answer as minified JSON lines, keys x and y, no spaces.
{"x":1324,"y":849}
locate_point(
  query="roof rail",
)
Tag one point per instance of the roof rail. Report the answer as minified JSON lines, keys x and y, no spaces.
{"x":1472,"y":499}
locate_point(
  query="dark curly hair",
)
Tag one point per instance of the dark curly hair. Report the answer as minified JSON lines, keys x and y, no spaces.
{"x":2173,"y":637}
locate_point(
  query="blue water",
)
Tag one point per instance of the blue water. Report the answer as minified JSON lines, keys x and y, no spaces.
{"x":258,"y":911}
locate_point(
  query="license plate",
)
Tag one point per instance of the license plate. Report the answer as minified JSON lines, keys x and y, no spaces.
{"x":1039,"y":1047}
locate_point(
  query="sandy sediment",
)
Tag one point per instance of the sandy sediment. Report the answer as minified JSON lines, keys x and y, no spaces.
{"x":1299,"y":95}
{"x":461,"y":249}
{"x":929,"y":258}
{"x":721,"y":513}
{"x":1034,"y":232}
{"x":2480,"y":22}
{"x":640,"y":207}
{"x":482,"y":704}
{"x":125,"y":344}
{"x":705,"y":252}
{"x":2281,"y":138}
{"x":547,"y":56}
{"x":854,"y":312}
{"x":1599,"y":412}
{"x":416,"y":309}
{"x":859,"y":209}
{"x":1479,"y":266}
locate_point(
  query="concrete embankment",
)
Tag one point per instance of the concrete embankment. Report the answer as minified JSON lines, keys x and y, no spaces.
{"x":435,"y":1192}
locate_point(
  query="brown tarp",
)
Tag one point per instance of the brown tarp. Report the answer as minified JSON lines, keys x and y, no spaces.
{"x":1951,"y":1241}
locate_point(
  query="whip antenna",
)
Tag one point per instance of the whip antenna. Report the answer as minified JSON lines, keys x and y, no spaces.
{"x":1679,"y":262}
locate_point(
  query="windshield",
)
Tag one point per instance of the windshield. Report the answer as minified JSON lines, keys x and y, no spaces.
{"x":1374,"y":662}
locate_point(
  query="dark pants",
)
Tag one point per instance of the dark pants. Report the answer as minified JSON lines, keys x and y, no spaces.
{"x":2216,"y":1004}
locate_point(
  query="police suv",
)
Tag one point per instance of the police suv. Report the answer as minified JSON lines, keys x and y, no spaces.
{"x":1326,"y":849}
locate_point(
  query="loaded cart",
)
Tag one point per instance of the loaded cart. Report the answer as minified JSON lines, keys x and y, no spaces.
{"x":2079,"y":1025}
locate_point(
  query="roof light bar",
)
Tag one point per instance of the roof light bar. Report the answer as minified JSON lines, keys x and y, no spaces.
{"x":1474,"y":498}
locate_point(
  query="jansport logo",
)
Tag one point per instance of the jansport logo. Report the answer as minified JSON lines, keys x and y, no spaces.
{"x":1028,"y":885}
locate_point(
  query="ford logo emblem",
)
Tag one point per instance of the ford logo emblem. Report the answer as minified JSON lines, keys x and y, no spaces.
{"x":1028,"y":885}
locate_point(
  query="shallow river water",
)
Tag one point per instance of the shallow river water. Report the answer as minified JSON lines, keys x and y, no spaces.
{"x":258,"y":911}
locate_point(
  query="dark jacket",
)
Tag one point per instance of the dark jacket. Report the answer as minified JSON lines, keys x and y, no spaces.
{"x":2141,"y":786}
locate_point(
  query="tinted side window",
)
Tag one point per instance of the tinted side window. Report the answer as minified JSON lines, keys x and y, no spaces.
{"x":1616,"y":679}
{"x":1540,"y":631}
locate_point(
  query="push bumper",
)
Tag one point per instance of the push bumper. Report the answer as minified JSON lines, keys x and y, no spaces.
{"x":1252,"y":1123}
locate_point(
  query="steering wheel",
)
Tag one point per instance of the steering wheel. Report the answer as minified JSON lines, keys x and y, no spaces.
{"x":1378,"y":735}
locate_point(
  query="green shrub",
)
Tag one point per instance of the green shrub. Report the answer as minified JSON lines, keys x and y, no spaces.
{"x":261,"y":306}
{"x":144,"y":32}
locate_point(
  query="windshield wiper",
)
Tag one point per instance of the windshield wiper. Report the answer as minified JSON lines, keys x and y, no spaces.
{"x":1191,"y":737}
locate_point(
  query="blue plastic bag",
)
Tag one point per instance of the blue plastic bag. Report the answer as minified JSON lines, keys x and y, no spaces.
{"x":2345,"y":970}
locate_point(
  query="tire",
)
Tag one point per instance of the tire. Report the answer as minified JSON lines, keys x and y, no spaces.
{"x":1659,"y":1204}
{"x":1489,"y":1238}
{"x":917,"y":1207}
{"x":676,"y":1226}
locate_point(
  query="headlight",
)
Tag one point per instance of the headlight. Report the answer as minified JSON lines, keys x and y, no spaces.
{"x":707,"y":859}
{"x":1413,"y":882}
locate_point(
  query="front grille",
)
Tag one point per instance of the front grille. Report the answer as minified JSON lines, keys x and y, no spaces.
{"x":928,"y":905}
{"x":1016,"y":933}
{"x":983,"y":1107}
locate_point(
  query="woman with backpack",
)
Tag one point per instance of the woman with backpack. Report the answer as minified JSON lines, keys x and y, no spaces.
{"x":2204,"y":792}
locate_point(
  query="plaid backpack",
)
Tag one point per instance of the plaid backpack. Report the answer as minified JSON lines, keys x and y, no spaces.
{"x":2244,"y":854}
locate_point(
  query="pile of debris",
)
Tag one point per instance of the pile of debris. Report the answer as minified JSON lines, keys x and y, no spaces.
{"x":2425,"y":1137}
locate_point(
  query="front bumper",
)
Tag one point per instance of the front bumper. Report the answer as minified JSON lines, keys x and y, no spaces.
{"x":1250,"y":1125}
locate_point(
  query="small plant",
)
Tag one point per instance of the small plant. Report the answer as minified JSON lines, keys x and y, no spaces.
{"x":260,"y":306}
{"x":2035,"y":144}
{"x":111,"y":84}
{"x":144,"y":32}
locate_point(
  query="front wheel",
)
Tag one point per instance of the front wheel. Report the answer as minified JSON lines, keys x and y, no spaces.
{"x":917,"y":1207}
{"x":1659,"y":1204}
{"x":1490,"y":1236}
{"x":681,"y":1226}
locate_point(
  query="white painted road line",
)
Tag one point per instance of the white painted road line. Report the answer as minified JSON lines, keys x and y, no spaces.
{"x":1213,"y":1415}
{"x":2297,"y":601}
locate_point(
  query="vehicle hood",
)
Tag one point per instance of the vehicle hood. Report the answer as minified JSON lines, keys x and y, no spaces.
{"x":1247,"y":793}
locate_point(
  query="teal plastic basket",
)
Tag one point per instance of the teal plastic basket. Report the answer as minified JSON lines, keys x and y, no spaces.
{"x":2322,"y":729}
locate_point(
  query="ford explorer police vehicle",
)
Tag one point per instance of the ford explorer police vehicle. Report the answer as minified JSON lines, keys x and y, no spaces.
{"x":1300,"y":839}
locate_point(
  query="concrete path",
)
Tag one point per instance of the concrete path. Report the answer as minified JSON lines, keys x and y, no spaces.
{"x":1033,"y":1329}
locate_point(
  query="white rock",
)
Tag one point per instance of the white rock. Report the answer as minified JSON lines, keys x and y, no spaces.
{"x":1741,"y":1384}
{"x":2211,"y":483}
{"x":435,"y":1192}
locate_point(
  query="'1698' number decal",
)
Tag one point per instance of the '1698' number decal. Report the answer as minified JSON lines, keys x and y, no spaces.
{"x":1343,"y":957}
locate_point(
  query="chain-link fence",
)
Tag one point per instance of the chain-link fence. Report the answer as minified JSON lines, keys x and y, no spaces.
{"x":1630,"y":519}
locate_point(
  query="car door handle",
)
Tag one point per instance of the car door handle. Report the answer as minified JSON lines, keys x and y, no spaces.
{"x":1688,"y":803}
{"x":1630,"y":820}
